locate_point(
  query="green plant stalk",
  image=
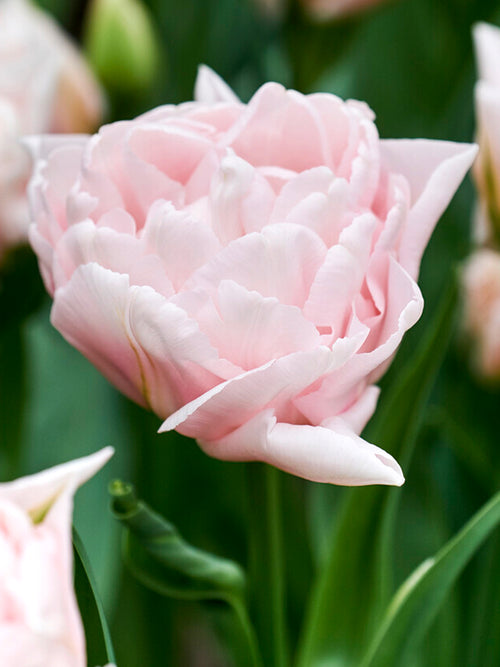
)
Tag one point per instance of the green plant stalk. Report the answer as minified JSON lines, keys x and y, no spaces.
{"x":266,"y":566}
{"x":12,"y":399}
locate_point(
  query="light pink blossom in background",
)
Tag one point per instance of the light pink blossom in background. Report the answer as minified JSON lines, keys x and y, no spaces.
{"x":334,"y":9}
{"x":487,"y":101}
{"x":45,"y":86}
{"x":481,"y":280}
{"x":40,"y":624}
{"x":247,"y":271}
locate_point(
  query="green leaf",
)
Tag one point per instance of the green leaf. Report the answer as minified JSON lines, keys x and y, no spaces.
{"x":162,"y":560}
{"x":98,"y":639}
{"x":355,"y":583}
{"x":417,"y":601}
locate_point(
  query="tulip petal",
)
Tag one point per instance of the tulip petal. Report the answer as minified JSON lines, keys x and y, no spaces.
{"x":232,"y":403}
{"x":434,"y":170}
{"x":281,"y":261}
{"x":34,"y":490}
{"x":251,"y":330}
{"x":91,"y":312}
{"x":210,"y":88}
{"x":335,"y":456}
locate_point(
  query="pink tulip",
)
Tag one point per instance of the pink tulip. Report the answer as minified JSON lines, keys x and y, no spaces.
{"x":245,"y":271}
{"x":44,"y":87}
{"x":487,"y":98}
{"x":334,"y":9}
{"x":40,"y":624}
{"x":481,"y":281}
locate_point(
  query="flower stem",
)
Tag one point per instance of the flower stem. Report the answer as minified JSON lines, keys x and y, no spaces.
{"x":12,"y":398}
{"x":266,"y":567}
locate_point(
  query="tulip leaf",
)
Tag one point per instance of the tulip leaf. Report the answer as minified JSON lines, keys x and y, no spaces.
{"x":417,"y":601}
{"x":98,"y":639}
{"x":162,"y":560}
{"x":354,"y":584}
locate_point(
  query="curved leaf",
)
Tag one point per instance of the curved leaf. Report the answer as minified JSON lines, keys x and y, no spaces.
{"x":98,"y":639}
{"x":417,"y":601}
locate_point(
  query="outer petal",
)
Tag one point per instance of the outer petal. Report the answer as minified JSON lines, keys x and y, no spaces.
{"x":434,"y":170}
{"x":143,"y":344}
{"x":232,"y":403}
{"x":91,"y":313}
{"x":337,"y":456}
{"x":35,"y":491}
{"x":210,"y":88}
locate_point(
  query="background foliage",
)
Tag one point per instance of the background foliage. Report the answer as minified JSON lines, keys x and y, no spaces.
{"x":412,"y":61}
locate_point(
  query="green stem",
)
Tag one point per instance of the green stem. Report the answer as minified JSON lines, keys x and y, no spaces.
{"x":267,"y":580}
{"x":12,"y":398}
{"x":248,"y":633}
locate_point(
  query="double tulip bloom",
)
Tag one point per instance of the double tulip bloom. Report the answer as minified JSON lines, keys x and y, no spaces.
{"x":246,"y":271}
{"x":40,"y":625}
{"x":44,"y":87}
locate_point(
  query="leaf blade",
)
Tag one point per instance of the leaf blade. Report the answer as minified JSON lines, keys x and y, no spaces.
{"x":417,"y":601}
{"x":98,"y":638}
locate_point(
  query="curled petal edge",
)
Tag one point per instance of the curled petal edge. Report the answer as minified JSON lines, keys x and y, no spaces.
{"x":334,"y":455}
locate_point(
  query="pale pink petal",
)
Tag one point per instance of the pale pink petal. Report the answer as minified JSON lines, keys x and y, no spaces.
{"x":175,"y":152}
{"x":340,"y":389}
{"x":91,"y":312}
{"x":41,"y":146}
{"x":241,"y":199}
{"x":210,"y":88}
{"x":34,"y":491}
{"x":358,"y":414}
{"x":181,"y":241}
{"x":274,"y":114}
{"x":177,"y":360}
{"x":232,"y":403}
{"x":42,"y":605}
{"x":345,"y":266}
{"x":434,"y":170}
{"x":251,"y":330}
{"x":281,"y":261}
{"x":320,"y":454}
{"x":85,"y":243}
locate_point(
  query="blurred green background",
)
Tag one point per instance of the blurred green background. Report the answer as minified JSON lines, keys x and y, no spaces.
{"x":412,"y":62}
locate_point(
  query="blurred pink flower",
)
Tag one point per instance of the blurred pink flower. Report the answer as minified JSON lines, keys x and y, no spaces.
{"x":333,"y":9}
{"x":487,"y":99}
{"x":481,"y":280}
{"x":45,"y":86}
{"x":245,"y":271}
{"x":40,"y":624}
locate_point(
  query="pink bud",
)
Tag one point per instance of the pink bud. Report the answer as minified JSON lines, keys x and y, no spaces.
{"x":481,"y":280}
{"x":39,"y":619}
